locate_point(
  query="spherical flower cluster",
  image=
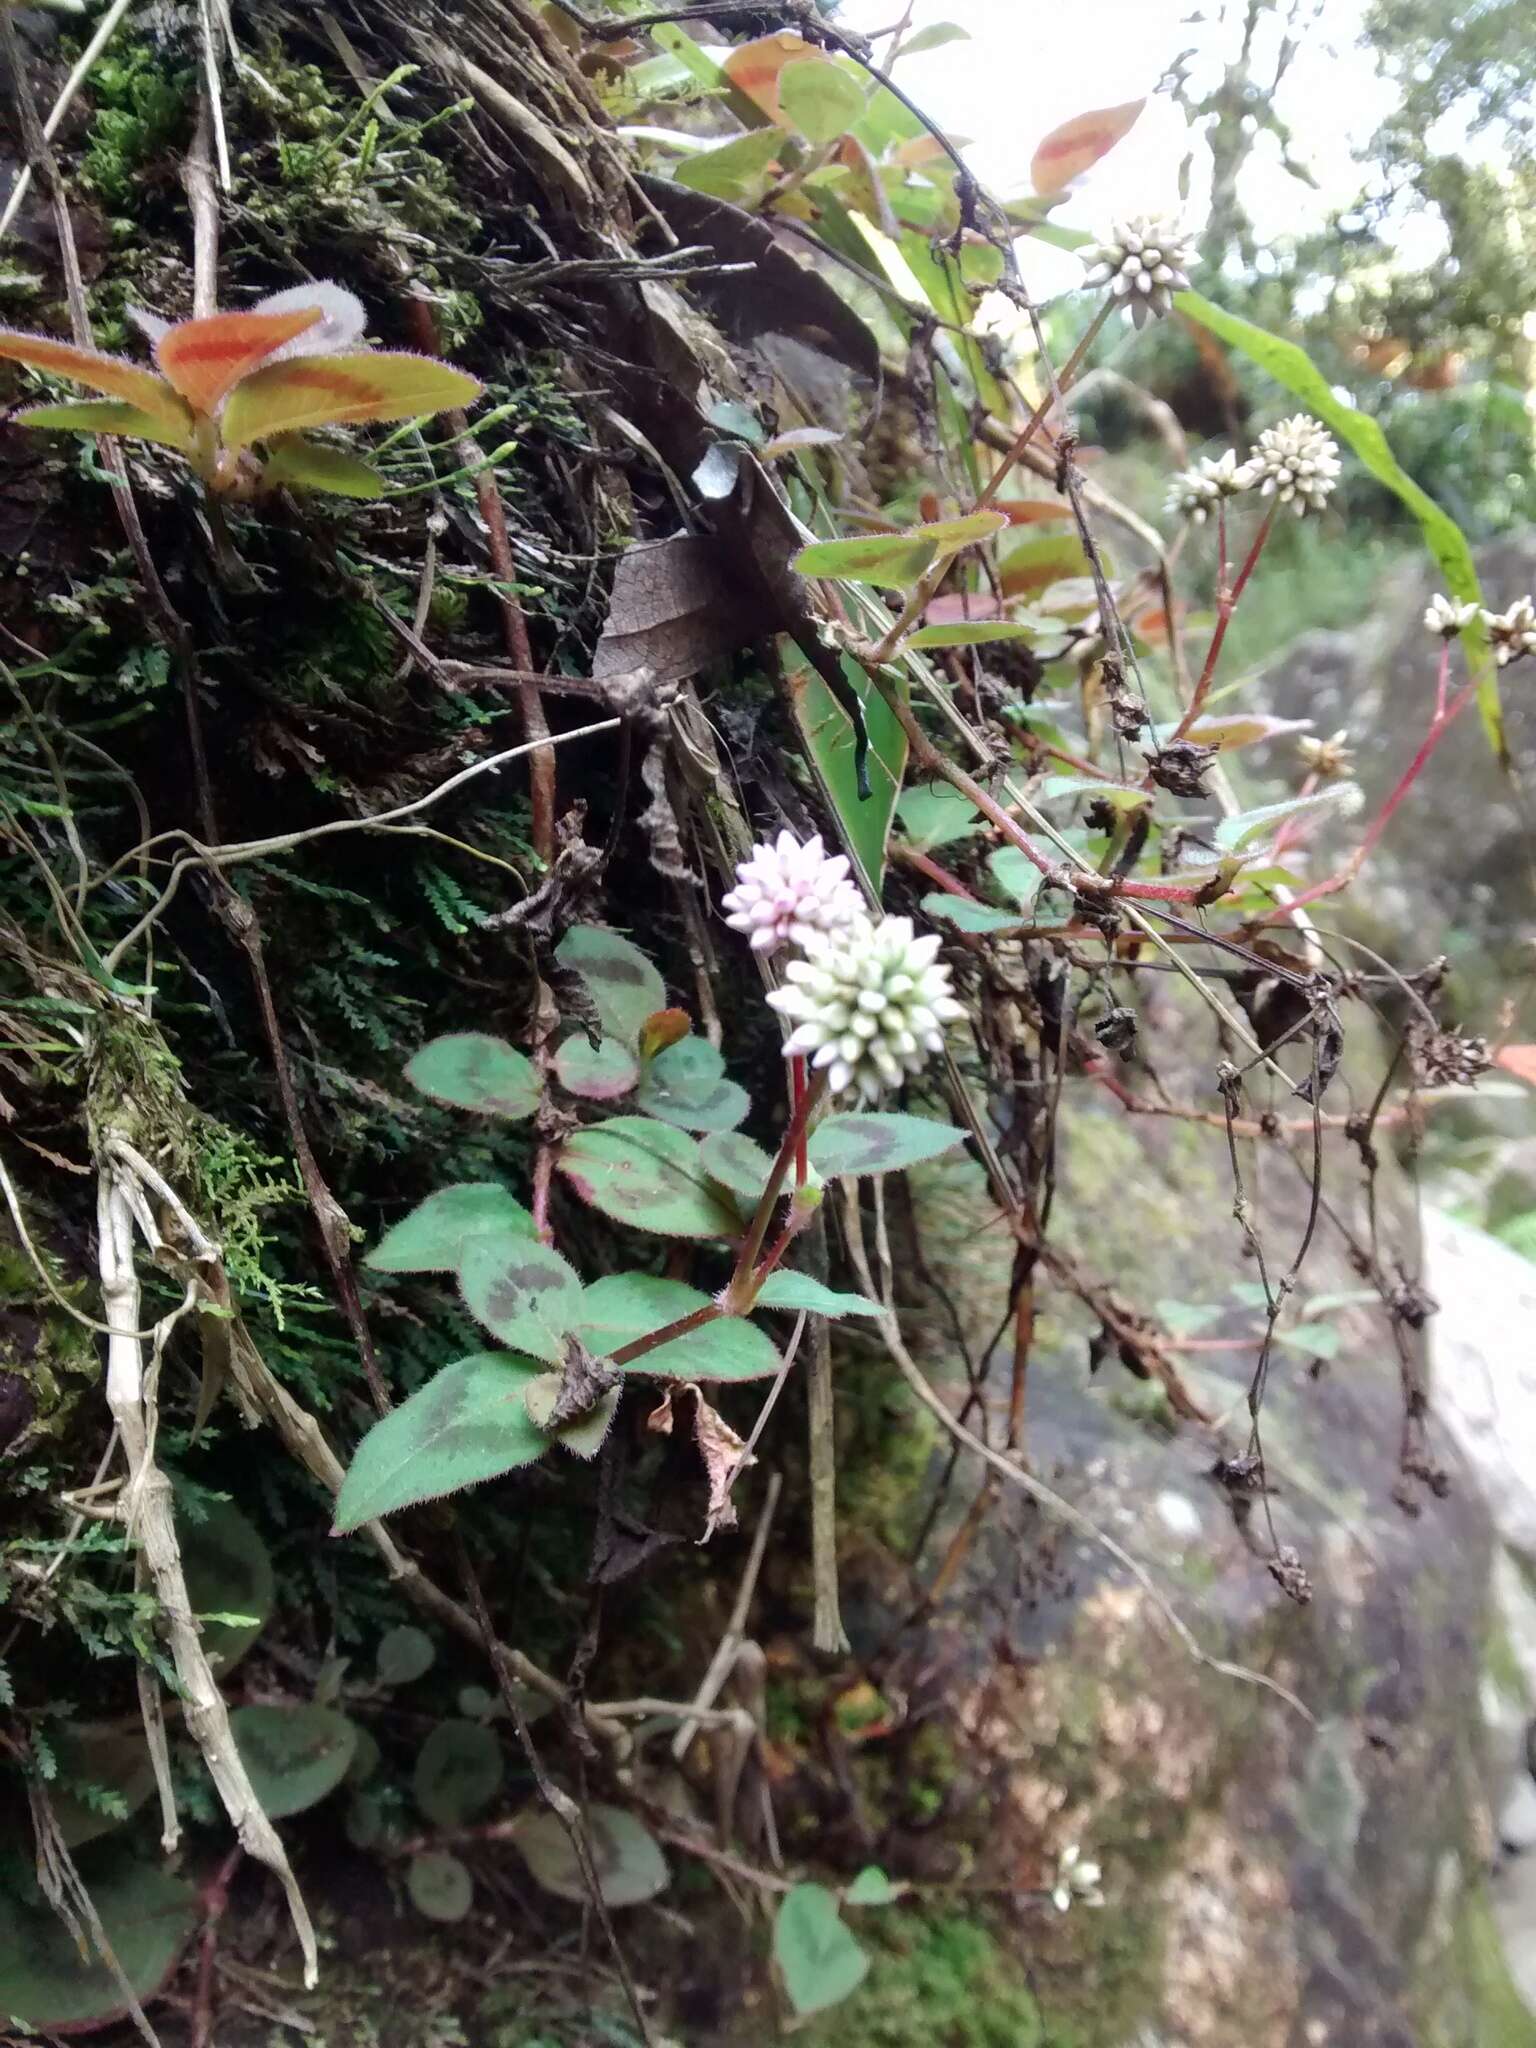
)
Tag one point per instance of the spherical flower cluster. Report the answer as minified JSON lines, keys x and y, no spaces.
{"x":1513,"y":633}
{"x":1329,"y":758}
{"x":1445,"y":619}
{"x":787,"y":893}
{"x":869,"y":1003}
{"x":1142,"y":262}
{"x":1195,"y":493}
{"x":1296,"y":461}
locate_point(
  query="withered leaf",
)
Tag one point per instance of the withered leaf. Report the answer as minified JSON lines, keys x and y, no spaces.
{"x":674,"y":611}
{"x":776,"y":294}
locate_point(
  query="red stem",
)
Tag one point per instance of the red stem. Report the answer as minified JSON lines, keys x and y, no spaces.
{"x":1439,"y":725}
{"x":910,"y":857}
{"x":797,"y":1114}
{"x":1226,"y":605}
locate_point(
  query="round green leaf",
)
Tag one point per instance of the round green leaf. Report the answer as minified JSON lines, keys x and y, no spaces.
{"x":794,"y":1291}
{"x":432,"y":1238}
{"x":458,"y":1772}
{"x":440,"y":1886}
{"x":649,"y":1175}
{"x":968,"y":916}
{"x":932,"y":814}
{"x":623,"y":1306}
{"x":625,"y":988}
{"x":870,"y":1141}
{"x":523,"y":1292}
{"x":872,"y":1888}
{"x":1017,"y":874}
{"x":630,"y":1867}
{"x":228,"y":1574}
{"x":818,"y":1958}
{"x":112,"y":1757}
{"x":296,"y":1755}
{"x":736,"y":1163}
{"x":685,"y":1085}
{"x":598,"y":1073}
{"x":466,"y":1424}
{"x":819,"y":98}
{"x":473,"y":1070}
{"x":148,"y":1914}
{"x":403,"y":1654}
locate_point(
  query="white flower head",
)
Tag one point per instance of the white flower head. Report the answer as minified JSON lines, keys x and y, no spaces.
{"x":1143,"y":262}
{"x":1075,"y":1880}
{"x":787,"y":894}
{"x":869,"y":1002}
{"x":1327,"y":758}
{"x":1195,"y":493}
{"x":1445,"y":619}
{"x":1513,"y":633}
{"x":1296,"y":461}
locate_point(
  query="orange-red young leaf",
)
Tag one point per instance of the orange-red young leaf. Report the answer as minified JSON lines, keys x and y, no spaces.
{"x":205,"y":359}
{"x":108,"y":416}
{"x":97,"y":372}
{"x":317,"y":391}
{"x":753,"y":68}
{"x":1078,"y":144}
{"x":1519,"y":1060}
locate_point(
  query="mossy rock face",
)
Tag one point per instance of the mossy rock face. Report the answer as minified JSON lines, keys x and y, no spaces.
{"x":1270,"y":1878}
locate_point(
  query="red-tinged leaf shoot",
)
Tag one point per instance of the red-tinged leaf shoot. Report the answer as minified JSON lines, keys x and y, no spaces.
{"x":319,"y":391}
{"x":97,"y":372}
{"x":205,"y":359}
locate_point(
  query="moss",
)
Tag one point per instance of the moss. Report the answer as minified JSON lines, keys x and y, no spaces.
{"x":935,"y":1981}
{"x":885,"y":1448}
{"x":1472,"y":2000}
{"x":1502,"y":1666}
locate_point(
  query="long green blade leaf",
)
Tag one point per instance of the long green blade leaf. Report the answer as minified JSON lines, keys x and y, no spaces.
{"x":1293,"y":367}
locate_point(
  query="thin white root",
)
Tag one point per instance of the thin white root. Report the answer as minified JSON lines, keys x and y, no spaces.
{"x":146,"y":1506}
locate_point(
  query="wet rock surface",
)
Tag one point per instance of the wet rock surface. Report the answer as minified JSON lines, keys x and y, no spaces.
{"x":1275,"y":1877}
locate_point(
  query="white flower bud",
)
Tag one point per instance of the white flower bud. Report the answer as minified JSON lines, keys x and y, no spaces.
{"x":1195,"y":493}
{"x":869,"y":1003}
{"x":787,"y":893}
{"x":1143,"y":262}
{"x":1445,"y":619}
{"x":1513,"y":633}
{"x":1296,"y":461}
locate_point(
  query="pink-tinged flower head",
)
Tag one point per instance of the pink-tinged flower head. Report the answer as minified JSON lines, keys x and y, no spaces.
{"x":869,"y":1004}
{"x":789,"y":894}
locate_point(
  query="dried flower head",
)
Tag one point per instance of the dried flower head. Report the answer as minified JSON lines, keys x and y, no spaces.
{"x":1445,"y":619}
{"x":1296,"y":461}
{"x":1446,"y":1059}
{"x":1143,"y":263}
{"x":869,"y":1002}
{"x":1327,"y":758}
{"x":1195,"y":492}
{"x":1076,"y":1881}
{"x":787,"y":893}
{"x":1513,"y":633}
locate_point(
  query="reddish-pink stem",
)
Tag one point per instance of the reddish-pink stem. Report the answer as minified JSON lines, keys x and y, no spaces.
{"x":1226,"y":605}
{"x":1439,"y":726}
{"x":913,"y":857}
{"x":797,"y":1112}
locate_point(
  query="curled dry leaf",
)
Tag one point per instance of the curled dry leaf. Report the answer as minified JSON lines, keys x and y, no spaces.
{"x":724,"y":1453}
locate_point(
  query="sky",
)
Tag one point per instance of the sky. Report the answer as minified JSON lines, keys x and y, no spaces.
{"x":1031,"y":64}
